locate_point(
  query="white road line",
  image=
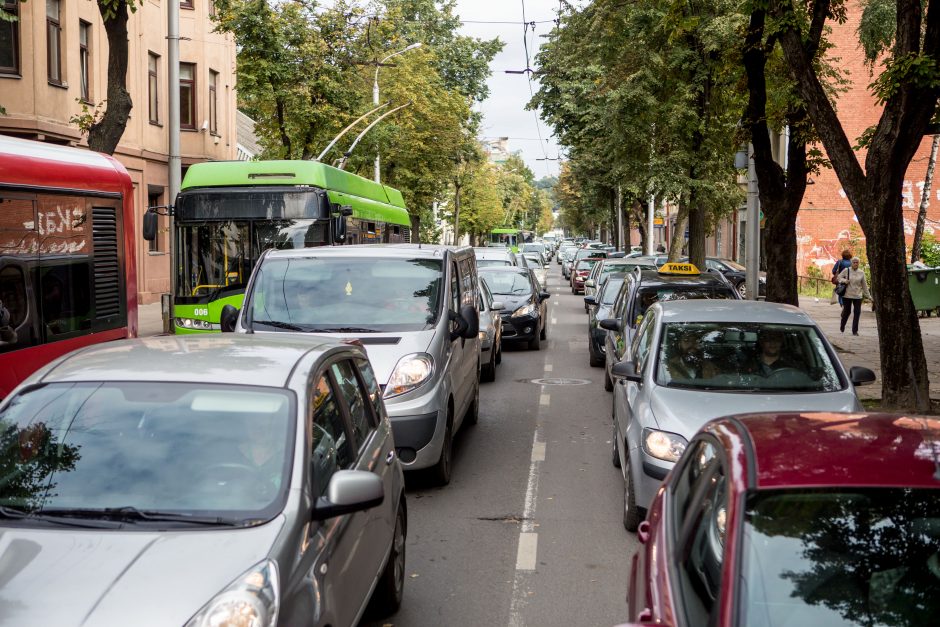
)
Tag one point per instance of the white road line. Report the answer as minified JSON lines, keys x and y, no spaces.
{"x":548,"y":367}
{"x":545,"y":400}
{"x":528,"y":549}
{"x":538,"y":451}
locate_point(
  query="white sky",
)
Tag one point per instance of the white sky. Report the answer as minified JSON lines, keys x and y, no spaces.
{"x":504,"y":113}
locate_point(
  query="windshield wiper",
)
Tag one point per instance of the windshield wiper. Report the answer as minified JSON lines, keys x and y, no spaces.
{"x":342,"y":330}
{"x":129,"y":514}
{"x":279,"y":325}
{"x":15,"y":513}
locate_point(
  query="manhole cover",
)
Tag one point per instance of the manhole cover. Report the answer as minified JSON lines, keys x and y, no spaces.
{"x":557,"y":381}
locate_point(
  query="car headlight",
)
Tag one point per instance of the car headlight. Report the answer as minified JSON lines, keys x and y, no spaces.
{"x":663,"y":445}
{"x":525,"y":310}
{"x":251,"y":600}
{"x":410,"y":372}
{"x":192,"y":323}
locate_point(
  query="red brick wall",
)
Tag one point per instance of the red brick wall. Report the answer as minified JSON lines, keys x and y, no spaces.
{"x":826,"y":220}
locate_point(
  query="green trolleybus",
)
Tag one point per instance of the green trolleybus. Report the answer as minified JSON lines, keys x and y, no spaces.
{"x":229,"y":212}
{"x":510,"y":238}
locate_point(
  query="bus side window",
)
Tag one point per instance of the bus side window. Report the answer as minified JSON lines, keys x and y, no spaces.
{"x":13,"y":306}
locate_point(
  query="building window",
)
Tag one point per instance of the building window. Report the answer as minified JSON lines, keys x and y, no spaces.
{"x":53,"y":42}
{"x":187,"y":4}
{"x":153,"y":87}
{"x":213,"y":102}
{"x":188,"y":96}
{"x":9,"y":39}
{"x":84,"y":58}
{"x":154,"y":199}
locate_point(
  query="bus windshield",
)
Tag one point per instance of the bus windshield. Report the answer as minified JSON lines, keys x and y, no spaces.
{"x":337,"y":294}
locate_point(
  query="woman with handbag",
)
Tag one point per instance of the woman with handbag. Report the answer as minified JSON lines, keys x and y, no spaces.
{"x":854,"y":287}
{"x":837,"y":268}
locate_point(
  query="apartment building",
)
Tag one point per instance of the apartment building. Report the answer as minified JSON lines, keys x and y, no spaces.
{"x":54,"y":58}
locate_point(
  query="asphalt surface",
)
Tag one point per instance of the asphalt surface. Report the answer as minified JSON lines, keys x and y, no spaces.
{"x":529,"y":531}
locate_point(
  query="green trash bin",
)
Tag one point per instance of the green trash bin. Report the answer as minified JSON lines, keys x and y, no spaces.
{"x":925,"y":289}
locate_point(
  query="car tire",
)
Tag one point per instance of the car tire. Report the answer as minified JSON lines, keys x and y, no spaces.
{"x":442,"y":470}
{"x":488,"y":371}
{"x":615,"y":454}
{"x":631,"y":513}
{"x":544,"y":332}
{"x":386,"y":600}
{"x":594,"y":359}
{"x":535,"y":343}
{"x":742,"y":289}
{"x":608,"y":382}
{"x":499,"y":354}
{"x":473,"y":412}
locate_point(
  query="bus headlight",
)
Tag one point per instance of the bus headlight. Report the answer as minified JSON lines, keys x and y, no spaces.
{"x":410,"y":372}
{"x":193,"y":323}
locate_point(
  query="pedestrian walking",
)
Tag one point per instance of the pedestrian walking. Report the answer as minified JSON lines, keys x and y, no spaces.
{"x":856,"y":288}
{"x":838,"y":267}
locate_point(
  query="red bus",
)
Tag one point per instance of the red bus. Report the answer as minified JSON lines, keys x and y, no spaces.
{"x":67,"y":258}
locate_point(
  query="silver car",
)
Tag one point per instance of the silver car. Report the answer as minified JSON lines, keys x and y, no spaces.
{"x":495,"y":256}
{"x":533,"y":261}
{"x":491,"y":333}
{"x":197,"y":481}
{"x":692,"y":361}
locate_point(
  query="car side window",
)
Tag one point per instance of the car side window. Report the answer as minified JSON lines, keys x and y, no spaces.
{"x":373,"y":390}
{"x":330,"y":449}
{"x":360,"y":411}
{"x":643,"y":341}
{"x":454,"y":288}
{"x":700,"y":497}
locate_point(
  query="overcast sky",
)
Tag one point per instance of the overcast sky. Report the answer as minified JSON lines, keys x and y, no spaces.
{"x":504,"y":112}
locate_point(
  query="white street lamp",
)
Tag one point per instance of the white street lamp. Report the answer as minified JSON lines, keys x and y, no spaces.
{"x":375,"y":93}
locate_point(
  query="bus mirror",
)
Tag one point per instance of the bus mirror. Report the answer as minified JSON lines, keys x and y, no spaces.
{"x":339,"y":229}
{"x":346,"y":210}
{"x":228,"y":318}
{"x":150,"y":226}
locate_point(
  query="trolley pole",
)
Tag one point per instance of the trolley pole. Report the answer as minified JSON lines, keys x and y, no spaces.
{"x":175,"y":164}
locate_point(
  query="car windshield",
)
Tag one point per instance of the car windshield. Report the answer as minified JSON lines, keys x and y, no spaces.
{"x":341,"y":293}
{"x":493,"y":263}
{"x":507,"y":283}
{"x":841,"y":557}
{"x":534,"y":261}
{"x":745,"y":357}
{"x":585,"y":265}
{"x":609,"y":290}
{"x":663,"y":293}
{"x":186,"y":448}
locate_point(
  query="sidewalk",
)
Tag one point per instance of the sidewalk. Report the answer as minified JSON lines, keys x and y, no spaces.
{"x":862,"y":350}
{"x":149,"y":320}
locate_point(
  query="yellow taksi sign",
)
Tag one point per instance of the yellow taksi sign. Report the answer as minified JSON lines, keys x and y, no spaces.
{"x":679,"y":268}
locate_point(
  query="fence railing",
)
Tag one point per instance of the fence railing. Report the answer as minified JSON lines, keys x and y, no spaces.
{"x":814,"y":286}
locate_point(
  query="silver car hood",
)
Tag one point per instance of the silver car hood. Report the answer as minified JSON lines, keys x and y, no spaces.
{"x":88,"y":577}
{"x":384,"y":357}
{"x":685,"y":411}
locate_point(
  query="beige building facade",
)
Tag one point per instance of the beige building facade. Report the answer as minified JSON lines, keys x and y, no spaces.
{"x":55,"y":58}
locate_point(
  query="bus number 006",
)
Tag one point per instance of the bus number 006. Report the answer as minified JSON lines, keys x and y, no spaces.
{"x":200,"y":312}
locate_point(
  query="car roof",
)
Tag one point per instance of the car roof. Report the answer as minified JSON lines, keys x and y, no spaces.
{"x":654,"y":278}
{"x":504,"y":269}
{"x":265,"y":359}
{"x":409,"y":251}
{"x":816,"y":449}
{"x":711,"y":310}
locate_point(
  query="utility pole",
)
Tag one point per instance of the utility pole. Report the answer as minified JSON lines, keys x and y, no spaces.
{"x":650,"y":227}
{"x":620,"y":244}
{"x":375,"y":95}
{"x":174,"y":162}
{"x":752,"y":236}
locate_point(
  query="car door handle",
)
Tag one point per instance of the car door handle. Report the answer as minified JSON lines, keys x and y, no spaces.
{"x":390,"y":457}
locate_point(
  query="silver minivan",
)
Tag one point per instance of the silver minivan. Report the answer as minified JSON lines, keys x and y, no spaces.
{"x":414,"y":307}
{"x":197,"y":481}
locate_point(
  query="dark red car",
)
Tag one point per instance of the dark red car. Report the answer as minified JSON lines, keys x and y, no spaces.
{"x":796,"y":519}
{"x":580,"y":272}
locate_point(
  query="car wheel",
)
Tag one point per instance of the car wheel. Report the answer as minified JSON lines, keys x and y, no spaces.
{"x":615,"y":454}
{"x":488,"y":371}
{"x":473,"y":412}
{"x":631,"y":513}
{"x":391,"y":586}
{"x":544,"y":332}
{"x":442,"y":470}
{"x":593,"y":358}
{"x":608,"y":382}
{"x":499,"y":353}
{"x":742,"y":289}
{"x":535,"y":343}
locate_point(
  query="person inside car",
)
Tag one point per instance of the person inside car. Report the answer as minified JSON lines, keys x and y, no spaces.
{"x":770,"y":355}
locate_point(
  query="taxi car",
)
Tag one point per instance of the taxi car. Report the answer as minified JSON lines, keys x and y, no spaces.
{"x":193,"y":480}
{"x":795,"y":519}
{"x":690,"y":363}
{"x":672,"y":281}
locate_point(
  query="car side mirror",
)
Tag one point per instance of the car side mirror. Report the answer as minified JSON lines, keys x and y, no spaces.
{"x":589,"y":283}
{"x":471,"y":318}
{"x":859,"y":375}
{"x":544,"y":296}
{"x":625,"y":370}
{"x":150,"y":226}
{"x":228,"y":318}
{"x":349,"y":491}
{"x":497,"y":305}
{"x":611,"y":324}
{"x":590,"y":301}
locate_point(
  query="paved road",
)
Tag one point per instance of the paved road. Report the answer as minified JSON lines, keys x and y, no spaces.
{"x":529,"y":531}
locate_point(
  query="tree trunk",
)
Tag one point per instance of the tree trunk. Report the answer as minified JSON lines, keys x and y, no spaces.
{"x":638,"y":207}
{"x":415,"y":228}
{"x":456,"y":212}
{"x":696,"y":234}
{"x":678,"y":232}
{"x":925,"y":200}
{"x":105,"y":134}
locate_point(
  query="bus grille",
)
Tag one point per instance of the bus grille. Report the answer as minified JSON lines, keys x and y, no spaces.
{"x":107,"y":267}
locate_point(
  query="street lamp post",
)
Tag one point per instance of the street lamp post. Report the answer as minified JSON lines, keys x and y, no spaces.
{"x":375,"y":95}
